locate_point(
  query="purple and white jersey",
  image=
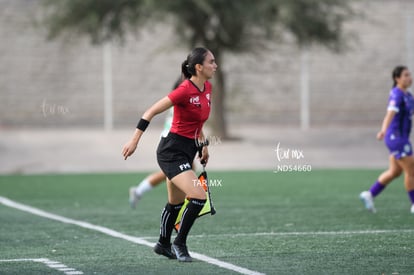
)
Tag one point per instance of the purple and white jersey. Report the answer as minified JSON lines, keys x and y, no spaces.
{"x":403,"y":104}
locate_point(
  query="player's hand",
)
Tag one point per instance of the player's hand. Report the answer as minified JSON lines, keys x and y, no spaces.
{"x":129,"y":148}
{"x":204,"y":155}
{"x":380,"y":135}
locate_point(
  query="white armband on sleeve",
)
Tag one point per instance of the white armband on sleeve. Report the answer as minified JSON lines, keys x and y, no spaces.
{"x":393,"y":108}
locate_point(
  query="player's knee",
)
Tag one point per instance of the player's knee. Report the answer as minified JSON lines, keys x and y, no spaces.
{"x":395,"y":173}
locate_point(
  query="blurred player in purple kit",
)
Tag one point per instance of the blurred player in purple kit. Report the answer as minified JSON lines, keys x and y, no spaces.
{"x":395,"y":131}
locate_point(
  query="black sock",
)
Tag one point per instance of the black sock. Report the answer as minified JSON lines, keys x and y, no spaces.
{"x":168,"y":216}
{"x":189,"y":215}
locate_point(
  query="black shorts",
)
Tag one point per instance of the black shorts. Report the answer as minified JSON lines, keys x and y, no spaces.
{"x":175,"y":154}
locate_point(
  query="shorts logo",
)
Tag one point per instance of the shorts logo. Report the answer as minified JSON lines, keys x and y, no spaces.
{"x":185,"y":166}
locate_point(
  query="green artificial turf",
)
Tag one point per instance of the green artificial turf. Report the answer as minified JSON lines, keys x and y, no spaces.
{"x":273,"y":223}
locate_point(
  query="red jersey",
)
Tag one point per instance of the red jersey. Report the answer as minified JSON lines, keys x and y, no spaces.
{"x":191,"y":108}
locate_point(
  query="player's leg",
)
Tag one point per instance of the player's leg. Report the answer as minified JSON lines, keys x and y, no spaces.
{"x":407,"y":163}
{"x":394,"y":171}
{"x":136,"y":193}
{"x":187,"y":183}
{"x":156,"y":178}
{"x":168,"y":217}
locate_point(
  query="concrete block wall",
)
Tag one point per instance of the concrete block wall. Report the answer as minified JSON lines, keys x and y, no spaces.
{"x":60,"y":83}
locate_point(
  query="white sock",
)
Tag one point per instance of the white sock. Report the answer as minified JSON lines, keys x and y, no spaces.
{"x":143,"y":187}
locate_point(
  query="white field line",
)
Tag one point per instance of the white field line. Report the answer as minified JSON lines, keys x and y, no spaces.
{"x":116,"y":234}
{"x":309,"y":233}
{"x":51,"y":264}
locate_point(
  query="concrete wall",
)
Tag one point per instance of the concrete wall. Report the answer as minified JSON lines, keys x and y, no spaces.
{"x":60,"y":83}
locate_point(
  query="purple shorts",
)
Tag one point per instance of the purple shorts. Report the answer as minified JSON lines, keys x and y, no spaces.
{"x":399,"y":147}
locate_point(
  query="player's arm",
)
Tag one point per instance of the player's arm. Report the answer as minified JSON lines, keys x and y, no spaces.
{"x":204,"y":153}
{"x":159,"y":107}
{"x":386,"y":123}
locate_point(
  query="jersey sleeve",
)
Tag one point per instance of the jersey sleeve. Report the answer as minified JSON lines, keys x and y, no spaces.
{"x":394,"y":102}
{"x":178,"y":95}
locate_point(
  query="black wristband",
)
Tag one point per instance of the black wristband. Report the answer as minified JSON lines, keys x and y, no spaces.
{"x":142,"y":124}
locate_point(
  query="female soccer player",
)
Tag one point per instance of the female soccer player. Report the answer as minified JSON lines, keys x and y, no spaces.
{"x":396,"y":129}
{"x":176,"y":152}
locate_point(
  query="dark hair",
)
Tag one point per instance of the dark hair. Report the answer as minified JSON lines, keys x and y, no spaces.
{"x":396,"y":73}
{"x":196,"y":56}
{"x":178,"y":82}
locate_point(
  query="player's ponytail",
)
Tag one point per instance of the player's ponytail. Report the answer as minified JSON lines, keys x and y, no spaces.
{"x":184,"y":69}
{"x":196,"y":56}
{"x":396,"y":73}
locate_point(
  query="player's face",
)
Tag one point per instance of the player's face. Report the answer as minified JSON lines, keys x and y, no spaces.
{"x":405,"y":80}
{"x":209,"y":66}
